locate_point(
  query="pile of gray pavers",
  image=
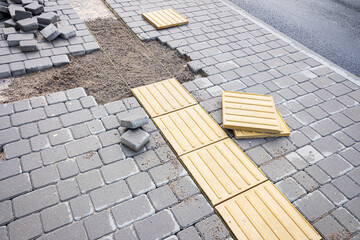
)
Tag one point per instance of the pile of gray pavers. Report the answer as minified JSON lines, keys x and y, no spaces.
{"x":132,"y":135}
{"x":26,"y":18}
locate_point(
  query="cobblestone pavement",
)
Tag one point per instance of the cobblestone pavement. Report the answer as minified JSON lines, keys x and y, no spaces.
{"x":66,"y":176}
{"x":318,"y":166}
{"x":13,"y":62}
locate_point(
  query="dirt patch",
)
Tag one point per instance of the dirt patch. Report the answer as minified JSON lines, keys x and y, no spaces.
{"x":97,"y":74}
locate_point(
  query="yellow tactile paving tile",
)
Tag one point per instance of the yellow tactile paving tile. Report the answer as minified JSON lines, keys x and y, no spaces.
{"x":250,"y":112}
{"x":285,"y":131}
{"x":222,"y":170}
{"x":163,"y":97}
{"x":189,"y":129}
{"x":264,"y":213}
{"x":165,"y":18}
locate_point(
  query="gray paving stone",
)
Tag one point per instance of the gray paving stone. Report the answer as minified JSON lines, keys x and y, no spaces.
{"x":80,"y":131}
{"x":99,"y":225}
{"x":341,"y":119}
{"x":81,"y":207}
{"x":353,"y":207}
{"x":88,"y":161}
{"x":212,"y":228}
{"x":5,"y":122}
{"x":75,"y":231}
{"x":50,"y":32}
{"x":38,"y":64}
{"x":335,"y":166}
{"x":35,"y":201}
{"x":111,"y":154}
{"x":60,"y":136}
{"x":6,"y":109}
{"x":279,"y":147}
{"x":83,"y":145}
{"x":29,"y":130}
{"x":184,"y":188}
{"x":157,"y":226}
{"x":8,"y":136}
{"x":55,"y":110}
{"x":14,"y":186}
{"x":119,"y":170}
{"x":291,"y":189}
{"x":10,"y":168}
{"x":310,"y":154}
{"x":347,"y":220}
{"x":21,"y":105}
{"x":314,"y":205}
{"x":54,"y":154}
{"x":318,"y":174}
{"x":164,"y":173}
{"x":68,"y":189}
{"x":189,"y":233}
{"x":140,"y":183}
{"x":6,"y":212}
{"x":277,"y":169}
{"x":347,"y":186}
{"x":30,"y":162}
{"x":44,"y":176}
{"x":327,"y":145}
{"x":14,"y":39}
{"x":91,"y":46}
{"x":95,"y":127}
{"x":115,"y":107}
{"x":47,"y":18}
{"x":76,"y":117}
{"x":258,"y":155}
{"x":110,"y":122}
{"x":135,"y":139}
{"x":49,"y":124}
{"x":25,"y":228}
{"x":35,"y":8}
{"x":306,"y":181}
{"x":329,"y":228}
{"x":190,"y":211}
{"x":33,"y":115}
{"x":99,"y":112}
{"x":88,"y":102}
{"x":147,"y":160}
{"x":89,"y":181}
{"x":3,"y":233}
{"x":109,"y":137}
{"x":62,"y":213}
{"x":125,"y":233}
{"x":334,"y":195}
{"x":73,"y":105}
{"x":39,"y":142}
{"x":67,"y":32}
{"x":68,"y":168}
{"x":17,"y":68}
{"x":296,"y":161}
{"x":134,"y":121}
{"x":344,"y":139}
{"x":75,"y":93}
{"x":156,"y":140}
{"x":110,"y":195}
{"x":162,"y":197}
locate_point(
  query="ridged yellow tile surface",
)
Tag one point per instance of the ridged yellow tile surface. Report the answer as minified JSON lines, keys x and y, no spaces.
{"x":222,"y":170}
{"x":189,"y":129}
{"x":264,"y":213}
{"x":285,"y":131}
{"x":250,"y":112}
{"x":165,"y":18}
{"x":163,"y":97}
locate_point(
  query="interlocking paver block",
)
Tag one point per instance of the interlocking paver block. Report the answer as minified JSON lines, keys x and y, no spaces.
{"x":30,"y":162}
{"x":347,"y":186}
{"x":5,"y":122}
{"x":8,"y":136}
{"x":99,"y":225}
{"x":54,"y":154}
{"x":38,"y":64}
{"x":147,"y":160}
{"x":278,"y":169}
{"x":110,"y":195}
{"x":291,"y":189}
{"x":222,"y":170}
{"x":80,"y":130}
{"x":35,"y":8}
{"x":347,"y":220}
{"x":110,"y":137}
{"x":6,"y":212}
{"x":333,"y":194}
{"x":28,"y":24}
{"x":37,"y":101}
{"x":132,"y":210}
{"x":21,"y":105}
{"x":212,"y":228}
{"x":39,"y":142}
{"x":119,"y":170}
{"x":35,"y":201}
{"x":335,"y":166}
{"x":88,"y":161}
{"x":73,"y":231}
{"x":111,"y":154}
{"x":110,"y":122}
{"x":25,"y":228}
{"x":163,"y":97}
{"x":184,"y":188}
{"x":82,"y":146}
{"x":89,"y":181}
{"x":125,"y":233}
{"x":162,"y":197}
{"x":47,"y":18}
{"x":135,"y":139}
{"x":329,"y":227}
{"x":279,"y":147}
{"x":67,"y":32}
{"x":81,"y":207}
{"x":56,"y":217}
{"x":306,"y":181}
{"x":140,"y":183}
{"x":134,"y":121}
{"x":27,"y":116}
{"x":44,"y":176}
{"x":68,"y":189}
{"x":17,"y":149}
{"x":50,"y":32}
{"x":14,"y":39}
{"x":115,"y":107}
{"x":55,"y":109}
{"x":164,"y":173}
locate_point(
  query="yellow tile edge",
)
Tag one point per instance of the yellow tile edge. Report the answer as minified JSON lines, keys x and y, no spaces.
{"x":285,"y":132}
{"x":150,"y":20}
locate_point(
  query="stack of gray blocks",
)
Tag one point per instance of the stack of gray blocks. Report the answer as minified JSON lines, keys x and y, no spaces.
{"x":37,"y":34}
{"x":134,"y":138}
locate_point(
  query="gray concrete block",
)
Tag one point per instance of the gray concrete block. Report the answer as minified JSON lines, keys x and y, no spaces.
{"x":81,"y":207}
{"x":310,"y":154}
{"x":75,"y":93}
{"x":60,"y":136}
{"x":76,"y":50}
{"x":68,"y":189}
{"x":35,"y":8}
{"x":111,"y":154}
{"x":28,"y":24}
{"x":258,"y":155}
{"x":82,"y":146}
{"x":347,"y":186}
{"x":5,"y":122}
{"x":110,"y":122}
{"x":44,"y":176}
{"x":109,"y":138}
{"x":54,"y":154}
{"x":189,"y":233}
{"x":131,"y":103}
{"x":212,"y":228}
{"x":76,"y":117}
{"x":47,"y":18}
{"x":50,"y":32}
{"x":119,"y":170}
{"x":75,"y":231}
{"x":36,"y":102}
{"x":352,"y":156}
{"x":68,"y":168}
{"x":39,"y":142}
{"x":110,"y":195}
{"x":164,"y":173}
{"x":21,"y":105}
{"x":80,"y":131}
{"x":327,"y":145}
{"x":99,"y":112}
{"x":125,"y":233}
{"x":91,"y":46}
{"x":347,"y":220}
{"x":296,"y":161}
{"x":26,"y":228}
{"x":30,"y":162}
{"x":99,"y":225}
{"x":29,"y":116}
{"x":49,"y":124}
{"x":335,"y":166}
{"x":89,"y":181}
{"x":55,"y":110}
{"x":62,"y":213}
{"x":162,"y":197}
{"x":7,"y":31}
{"x":8,"y":136}
{"x":17,"y":149}
{"x":95,"y":127}
{"x":67,"y":32}
{"x":329,"y":227}
{"x":10,"y":23}
{"x":35,"y":201}
{"x":14,"y":39}
{"x":56,"y":97}
{"x":6,"y":212}
{"x":3,"y":233}
{"x":306,"y":181}
{"x":134,"y":121}
{"x":314,"y":205}
{"x":88,"y":161}
{"x":184,"y":188}
{"x":165,"y":153}
{"x":60,"y":60}
{"x":37,"y":64}
{"x":147,"y":160}
{"x":291,"y":189}
{"x":191,"y":211}
{"x":278,"y":169}
{"x":5,"y":71}
{"x":140,"y":183}
{"x":333,"y":194}
{"x":29,"y":46}
{"x":135,"y":139}
{"x":115,"y":107}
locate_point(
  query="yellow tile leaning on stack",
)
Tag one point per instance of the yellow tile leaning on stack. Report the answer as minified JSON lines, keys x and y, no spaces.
{"x":252,"y":115}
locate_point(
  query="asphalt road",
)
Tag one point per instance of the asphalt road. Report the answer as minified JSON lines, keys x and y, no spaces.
{"x":330,"y":28}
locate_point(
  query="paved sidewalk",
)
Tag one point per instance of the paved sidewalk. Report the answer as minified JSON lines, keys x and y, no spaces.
{"x":66,"y":176}
{"x":317,"y":167}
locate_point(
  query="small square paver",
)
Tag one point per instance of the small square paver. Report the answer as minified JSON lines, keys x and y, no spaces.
{"x":89,"y":181}
{"x":81,"y":207}
{"x":99,"y":225}
{"x":140,"y":183}
{"x":68,"y":189}
{"x":62,"y":213}
{"x":162,"y":197}
{"x":291,"y":189}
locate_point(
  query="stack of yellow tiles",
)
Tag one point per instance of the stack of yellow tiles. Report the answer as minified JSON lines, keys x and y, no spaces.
{"x":252,"y":115}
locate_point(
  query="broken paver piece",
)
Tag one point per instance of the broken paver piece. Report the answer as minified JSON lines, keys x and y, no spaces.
{"x":35,"y":8}
{"x":135,"y":139}
{"x":67,"y":32}
{"x":29,"y":46}
{"x":134,"y":121}
{"x":50,"y":32}
{"x":14,"y":39}
{"x":47,"y":18}
{"x":22,"y":14}
{"x":28,"y":24}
